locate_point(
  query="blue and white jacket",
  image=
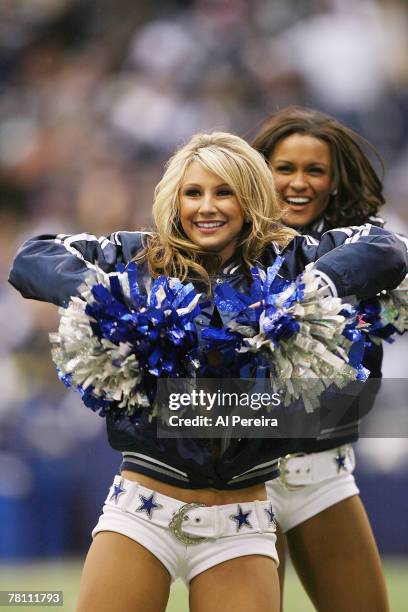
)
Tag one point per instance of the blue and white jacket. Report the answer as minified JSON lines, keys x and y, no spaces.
{"x":352,"y":261}
{"x":336,"y":431}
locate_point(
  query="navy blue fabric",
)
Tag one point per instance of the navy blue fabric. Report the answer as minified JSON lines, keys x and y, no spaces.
{"x":360,"y":407}
{"x":359,"y":261}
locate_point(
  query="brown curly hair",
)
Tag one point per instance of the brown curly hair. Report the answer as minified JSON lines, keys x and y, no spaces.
{"x":358,"y":189}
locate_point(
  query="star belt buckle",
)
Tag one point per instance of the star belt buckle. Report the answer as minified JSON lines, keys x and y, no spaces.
{"x":176,"y":525}
{"x":283,"y":478}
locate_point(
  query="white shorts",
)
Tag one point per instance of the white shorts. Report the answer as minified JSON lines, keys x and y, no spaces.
{"x":174,"y":531}
{"x":311,"y":483}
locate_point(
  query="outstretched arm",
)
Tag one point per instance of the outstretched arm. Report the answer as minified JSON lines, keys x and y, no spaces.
{"x":51,"y":268}
{"x":360,"y":261}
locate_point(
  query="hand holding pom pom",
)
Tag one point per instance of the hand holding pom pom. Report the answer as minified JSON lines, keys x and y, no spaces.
{"x":307,"y":338}
{"x":387,"y":314}
{"x":116,"y":339}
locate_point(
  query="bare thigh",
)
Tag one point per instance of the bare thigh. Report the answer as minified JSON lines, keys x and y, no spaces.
{"x":336,"y":558}
{"x":120,"y":575}
{"x":281,"y":550}
{"x":245,"y":584}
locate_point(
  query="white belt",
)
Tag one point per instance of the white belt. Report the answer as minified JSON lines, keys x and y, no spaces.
{"x":194,"y":522}
{"x":300,"y":469}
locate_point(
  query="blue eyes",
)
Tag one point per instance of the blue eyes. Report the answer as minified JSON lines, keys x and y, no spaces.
{"x":196,"y":193}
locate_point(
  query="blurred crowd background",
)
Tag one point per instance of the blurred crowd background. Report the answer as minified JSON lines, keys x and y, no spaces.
{"x":94,"y":97}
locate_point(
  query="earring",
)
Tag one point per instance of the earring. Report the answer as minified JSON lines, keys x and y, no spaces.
{"x":335,"y":192}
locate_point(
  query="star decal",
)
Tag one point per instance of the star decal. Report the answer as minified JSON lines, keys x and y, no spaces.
{"x":241,"y":518}
{"x":148,"y":505}
{"x":118,"y":490}
{"x":270,"y":514}
{"x":340,"y":459}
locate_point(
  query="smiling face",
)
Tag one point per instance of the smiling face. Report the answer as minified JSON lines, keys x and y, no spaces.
{"x":209,"y":211}
{"x":302,"y":170}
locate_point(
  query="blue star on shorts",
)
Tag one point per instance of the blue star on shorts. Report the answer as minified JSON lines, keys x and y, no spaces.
{"x":118,"y":490}
{"x":270,"y":514}
{"x":148,"y":505}
{"x":341,"y":461}
{"x":241,"y":518}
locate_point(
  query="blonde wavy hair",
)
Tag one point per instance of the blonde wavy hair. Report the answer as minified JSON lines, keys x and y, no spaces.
{"x":170,"y":252}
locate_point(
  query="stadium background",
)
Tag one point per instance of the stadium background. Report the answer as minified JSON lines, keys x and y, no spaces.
{"x":94,"y":96}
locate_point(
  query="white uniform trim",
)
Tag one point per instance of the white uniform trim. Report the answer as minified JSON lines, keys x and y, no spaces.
{"x":125,"y":512}
{"x":115,"y":238}
{"x":67,"y":243}
{"x":262,"y":467}
{"x":327,"y":486}
{"x":342,"y":230}
{"x":340,"y":428}
{"x":326,"y":281}
{"x":127,"y":455}
{"x":363,"y":231}
{"x":310,"y":240}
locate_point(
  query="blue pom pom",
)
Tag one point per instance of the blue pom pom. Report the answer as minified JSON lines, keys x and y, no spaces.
{"x":282,"y":328}
{"x":157,"y":328}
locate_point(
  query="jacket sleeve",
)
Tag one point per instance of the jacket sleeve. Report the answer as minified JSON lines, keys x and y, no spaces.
{"x":51,"y":268}
{"x":360,"y":260}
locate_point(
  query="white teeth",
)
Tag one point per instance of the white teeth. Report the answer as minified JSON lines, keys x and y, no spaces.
{"x":297,"y":200}
{"x":210,"y":224}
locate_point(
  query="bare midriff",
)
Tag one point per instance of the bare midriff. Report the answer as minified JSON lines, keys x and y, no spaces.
{"x":210,"y":497}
